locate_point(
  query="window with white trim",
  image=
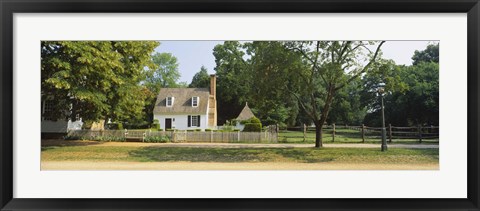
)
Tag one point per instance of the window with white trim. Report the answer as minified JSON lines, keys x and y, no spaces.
{"x":195,"y":101}
{"x":169,"y":101}
{"x":48,"y":110}
{"x":195,"y":122}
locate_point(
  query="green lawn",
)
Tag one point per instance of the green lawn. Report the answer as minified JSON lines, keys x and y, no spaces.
{"x":342,"y":136}
{"x":300,"y":155}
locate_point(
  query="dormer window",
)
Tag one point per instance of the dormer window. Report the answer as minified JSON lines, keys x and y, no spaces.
{"x":195,"y":101}
{"x":169,"y":101}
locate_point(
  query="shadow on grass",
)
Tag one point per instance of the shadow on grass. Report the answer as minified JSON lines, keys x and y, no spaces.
{"x":49,"y":143}
{"x":170,"y":154}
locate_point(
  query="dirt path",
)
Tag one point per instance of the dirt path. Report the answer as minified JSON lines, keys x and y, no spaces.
{"x":82,"y":165}
{"x":228,"y":145}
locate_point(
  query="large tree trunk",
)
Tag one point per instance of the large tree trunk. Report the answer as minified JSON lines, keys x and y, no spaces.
{"x":323,"y":118}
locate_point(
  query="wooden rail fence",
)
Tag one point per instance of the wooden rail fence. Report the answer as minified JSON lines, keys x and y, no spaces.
{"x":420,"y":133}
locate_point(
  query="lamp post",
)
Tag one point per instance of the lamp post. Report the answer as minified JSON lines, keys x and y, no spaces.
{"x":384,"y":130}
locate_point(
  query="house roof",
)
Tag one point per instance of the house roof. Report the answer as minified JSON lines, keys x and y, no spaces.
{"x":245,"y":114}
{"x":182,"y":103}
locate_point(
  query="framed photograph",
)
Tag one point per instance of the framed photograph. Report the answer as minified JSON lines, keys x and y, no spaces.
{"x":263,"y":105}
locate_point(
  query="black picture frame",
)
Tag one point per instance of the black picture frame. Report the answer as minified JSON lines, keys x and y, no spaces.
{"x":9,"y":7}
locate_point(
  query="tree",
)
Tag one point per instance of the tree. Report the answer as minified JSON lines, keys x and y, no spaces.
{"x":165,"y":74}
{"x":331,"y":66}
{"x":430,"y":54}
{"x":412,"y":92}
{"x":347,"y":106}
{"x":268,"y":63}
{"x":201,"y":79}
{"x":98,"y":79}
{"x":233,"y":79}
{"x":417,"y":102}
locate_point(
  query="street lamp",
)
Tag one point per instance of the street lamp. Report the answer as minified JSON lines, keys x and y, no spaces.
{"x":381,"y":90}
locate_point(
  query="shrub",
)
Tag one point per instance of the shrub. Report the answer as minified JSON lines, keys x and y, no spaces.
{"x":190,"y":130}
{"x":170,"y":129}
{"x":252,"y":127}
{"x":157,"y":139}
{"x":236,"y":130}
{"x":228,"y":128}
{"x":156,"y":124}
{"x":255,"y":120}
{"x":208,"y":130}
{"x":198,"y":130}
{"x":96,"y":138}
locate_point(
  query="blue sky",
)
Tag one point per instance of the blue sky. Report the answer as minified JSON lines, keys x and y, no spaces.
{"x":192,"y":55}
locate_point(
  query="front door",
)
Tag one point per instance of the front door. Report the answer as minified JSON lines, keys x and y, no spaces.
{"x":168,"y":124}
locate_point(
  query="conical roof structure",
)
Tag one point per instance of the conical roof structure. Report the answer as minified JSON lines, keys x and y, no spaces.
{"x":246,"y":113}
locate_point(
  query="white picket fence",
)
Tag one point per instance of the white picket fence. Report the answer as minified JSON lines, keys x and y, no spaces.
{"x":183,"y":136}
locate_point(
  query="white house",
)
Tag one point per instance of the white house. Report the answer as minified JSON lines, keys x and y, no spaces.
{"x":187,"y":108}
{"x":52,"y":127}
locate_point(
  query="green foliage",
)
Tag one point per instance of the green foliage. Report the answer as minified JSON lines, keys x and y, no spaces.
{"x":99,"y":79}
{"x":228,"y":127}
{"x":418,"y":104}
{"x":95,"y":138}
{"x":87,"y":124}
{"x":208,"y":130}
{"x":234,"y":81}
{"x":430,"y":54}
{"x":255,"y":120}
{"x":156,"y":124}
{"x":157,"y":139}
{"x":165,"y":73}
{"x":252,"y":127}
{"x":115,"y":126}
{"x":200,"y":79}
{"x":137,"y":125}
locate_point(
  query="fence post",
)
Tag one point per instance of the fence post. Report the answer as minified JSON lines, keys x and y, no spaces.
{"x":390,"y":132}
{"x":420,"y":133}
{"x":126,"y":134}
{"x":238,"y":136}
{"x":333,"y":133}
{"x":363,"y":133}
{"x":211,"y":136}
{"x":304,"y":132}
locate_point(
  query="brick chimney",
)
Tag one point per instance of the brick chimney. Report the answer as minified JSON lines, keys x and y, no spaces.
{"x":212,"y":103}
{"x":213,"y":85}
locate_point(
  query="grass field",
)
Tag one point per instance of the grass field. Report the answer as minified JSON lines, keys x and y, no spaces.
{"x":341,"y":136}
{"x":98,"y":152}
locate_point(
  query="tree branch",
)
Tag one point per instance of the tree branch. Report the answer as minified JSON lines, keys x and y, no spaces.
{"x":364,"y":68}
{"x":314,"y":117}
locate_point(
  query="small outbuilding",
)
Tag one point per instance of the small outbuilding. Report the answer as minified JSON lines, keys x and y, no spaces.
{"x":244,"y":115}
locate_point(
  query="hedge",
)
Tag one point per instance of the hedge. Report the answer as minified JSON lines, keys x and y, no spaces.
{"x":252,"y":127}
